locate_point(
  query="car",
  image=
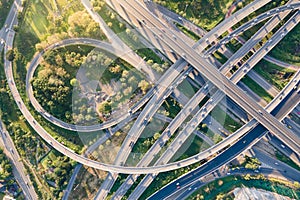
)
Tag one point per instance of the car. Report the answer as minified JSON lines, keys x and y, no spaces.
{"x":131,"y":144}
{"x":129,"y":111}
{"x":228,"y":173}
{"x":146,"y":120}
{"x":260,"y":112}
{"x":276,"y":163}
{"x":244,"y":141}
{"x":256,"y":171}
{"x":282,"y":146}
{"x":180,"y":18}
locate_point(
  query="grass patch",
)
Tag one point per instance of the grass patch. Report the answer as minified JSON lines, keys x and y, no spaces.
{"x":274,"y":74}
{"x":257,"y":89}
{"x":215,"y":137}
{"x":189,"y":33}
{"x":288,"y":49}
{"x":220,"y":57}
{"x":50,"y":156}
{"x":206,"y":14}
{"x":192,"y":146}
{"x":223,"y":118}
{"x":4,"y":10}
{"x":172,"y":107}
{"x":187,"y":89}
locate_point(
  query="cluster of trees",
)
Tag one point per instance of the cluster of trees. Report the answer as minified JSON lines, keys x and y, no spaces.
{"x":25,"y":142}
{"x":79,"y":24}
{"x":158,"y":67}
{"x":82,"y":25}
{"x":206,"y":13}
{"x":10,"y":55}
{"x":53,"y":84}
{"x":104,"y":67}
{"x":251,"y":163}
{"x":83,"y":113}
{"x":52,"y":89}
{"x":59,"y":171}
{"x":5,"y":167}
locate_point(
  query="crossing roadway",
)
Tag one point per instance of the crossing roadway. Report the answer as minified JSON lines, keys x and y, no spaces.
{"x":213,"y":75}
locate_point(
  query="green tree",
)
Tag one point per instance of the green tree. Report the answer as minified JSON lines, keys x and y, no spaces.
{"x":104,"y":107}
{"x":10,"y":55}
{"x":144,"y":85}
{"x":156,"y":136}
{"x":74,"y":82}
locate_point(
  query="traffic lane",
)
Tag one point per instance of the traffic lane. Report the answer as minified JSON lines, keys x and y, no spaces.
{"x":287,"y":150}
{"x":14,"y":157}
{"x":274,"y":163}
{"x":220,"y":160}
{"x":213,"y":74}
{"x":288,"y":101}
{"x":293,"y":126}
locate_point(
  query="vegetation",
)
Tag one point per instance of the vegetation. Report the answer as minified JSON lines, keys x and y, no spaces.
{"x":56,"y":169}
{"x":87,"y":183}
{"x":4,"y":10}
{"x":187,"y":88}
{"x":189,"y":33}
{"x":172,"y":107}
{"x":52,"y":83}
{"x":216,"y":138}
{"x":223,"y":118}
{"x":10,"y":55}
{"x":219,"y":188}
{"x":247,"y":34}
{"x":288,"y":49}
{"x":206,"y":14}
{"x":251,"y":163}
{"x":42,"y":23}
{"x":192,"y":146}
{"x":257,"y":89}
{"x":129,"y":36}
{"x":274,"y":74}
{"x":164,"y":178}
{"x":5,"y":167}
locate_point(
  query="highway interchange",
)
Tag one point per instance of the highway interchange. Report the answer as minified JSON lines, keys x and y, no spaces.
{"x":251,"y":132}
